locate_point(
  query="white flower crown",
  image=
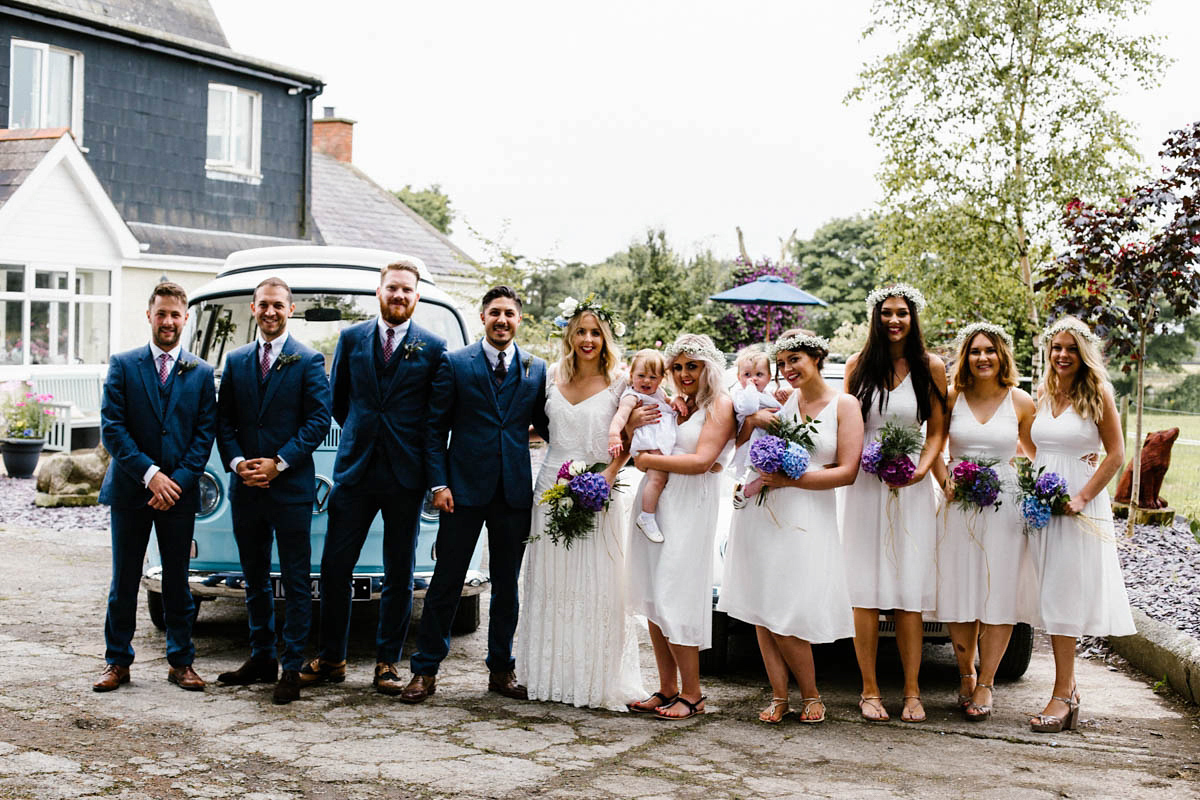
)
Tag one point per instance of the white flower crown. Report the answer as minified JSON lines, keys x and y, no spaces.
{"x":705,"y":349}
{"x":797,"y":341}
{"x":967,"y":332}
{"x":571,"y":307}
{"x":909,"y":293}
{"x":1073,"y":326}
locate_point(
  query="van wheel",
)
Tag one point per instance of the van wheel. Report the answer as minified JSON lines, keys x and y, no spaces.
{"x":715,"y":660}
{"x":154,"y":604}
{"x":466,"y":618}
{"x":1017,"y":656}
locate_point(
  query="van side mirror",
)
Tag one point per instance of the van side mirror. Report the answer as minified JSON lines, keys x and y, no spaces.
{"x":322,"y":314}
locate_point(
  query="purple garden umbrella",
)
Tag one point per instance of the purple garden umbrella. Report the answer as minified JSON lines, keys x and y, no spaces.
{"x":767,"y":290}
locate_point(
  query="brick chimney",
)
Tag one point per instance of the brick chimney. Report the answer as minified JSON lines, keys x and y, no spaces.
{"x":334,"y":136}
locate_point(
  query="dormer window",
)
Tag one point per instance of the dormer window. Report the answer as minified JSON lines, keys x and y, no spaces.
{"x":234,"y":132}
{"x":46,"y":87}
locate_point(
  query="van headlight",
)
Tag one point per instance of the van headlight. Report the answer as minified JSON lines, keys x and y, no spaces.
{"x":210,"y":494}
{"x":429,"y":512}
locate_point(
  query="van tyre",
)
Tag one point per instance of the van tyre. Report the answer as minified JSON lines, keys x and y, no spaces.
{"x":466,"y":618}
{"x":715,"y":660}
{"x":154,"y":604}
{"x":1017,"y":656}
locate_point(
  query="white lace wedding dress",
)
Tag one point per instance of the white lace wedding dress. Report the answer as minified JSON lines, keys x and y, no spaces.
{"x":576,"y":641}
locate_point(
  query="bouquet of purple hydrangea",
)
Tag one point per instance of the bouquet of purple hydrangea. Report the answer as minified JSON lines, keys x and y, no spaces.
{"x":783,"y":448}
{"x":578,"y":494}
{"x":1043,"y":495}
{"x":889,"y":457}
{"x":976,"y":484}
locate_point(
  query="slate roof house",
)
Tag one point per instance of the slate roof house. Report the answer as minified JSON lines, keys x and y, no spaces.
{"x":136,"y":145}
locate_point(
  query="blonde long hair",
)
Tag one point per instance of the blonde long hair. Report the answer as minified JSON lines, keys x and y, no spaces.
{"x":568,"y":362}
{"x":698,"y":347}
{"x":1087,"y":393}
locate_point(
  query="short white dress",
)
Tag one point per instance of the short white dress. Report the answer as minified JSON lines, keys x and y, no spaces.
{"x":984,"y":566}
{"x":671,"y":582}
{"x":659,"y":436}
{"x":890,"y":539}
{"x":783,"y":562}
{"x":1082,"y":588}
{"x":576,"y":639}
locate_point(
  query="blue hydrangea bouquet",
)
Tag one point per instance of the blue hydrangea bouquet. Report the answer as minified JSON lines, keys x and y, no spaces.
{"x":785,"y":447}
{"x":1043,"y":495}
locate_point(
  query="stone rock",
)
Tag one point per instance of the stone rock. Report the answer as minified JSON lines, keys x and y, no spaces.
{"x":72,"y":479}
{"x":1156,"y":458}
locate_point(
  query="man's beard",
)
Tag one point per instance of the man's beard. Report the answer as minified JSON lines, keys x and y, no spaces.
{"x":166,"y":344}
{"x":394,"y":315}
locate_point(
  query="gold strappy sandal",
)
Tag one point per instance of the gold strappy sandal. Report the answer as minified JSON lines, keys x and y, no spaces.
{"x":976,"y":712}
{"x":1048,"y":723}
{"x":772,"y":714}
{"x":808,"y":703}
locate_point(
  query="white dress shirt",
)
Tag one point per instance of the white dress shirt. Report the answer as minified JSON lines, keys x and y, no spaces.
{"x":401,"y":330}
{"x":157,"y":352}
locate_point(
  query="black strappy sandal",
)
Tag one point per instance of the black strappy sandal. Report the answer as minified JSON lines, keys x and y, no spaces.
{"x":640,"y":708}
{"x":692,"y":708}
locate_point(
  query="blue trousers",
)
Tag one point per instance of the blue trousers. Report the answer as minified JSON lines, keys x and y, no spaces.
{"x":130,"y":536}
{"x":352,"y":509}
{"x":257,"y":520}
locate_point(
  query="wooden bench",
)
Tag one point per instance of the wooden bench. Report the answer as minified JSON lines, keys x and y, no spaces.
{"x":76,"y":405}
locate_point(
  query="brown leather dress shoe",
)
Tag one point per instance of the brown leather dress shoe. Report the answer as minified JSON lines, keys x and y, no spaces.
{"x":420,"y":687}
{"x":112,"y":677}
{"x":320,"y":671}
{"x":505,"y":683}
{"x":387,"y":678}
{"x":288,"y":688}
{"x":254,"y":670}
{"x":186,"y":678}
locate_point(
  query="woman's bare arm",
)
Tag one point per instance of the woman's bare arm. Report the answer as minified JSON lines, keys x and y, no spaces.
{"x":718,"y":429}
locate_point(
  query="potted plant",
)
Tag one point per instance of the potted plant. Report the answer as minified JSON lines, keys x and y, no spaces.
{"x":24,"y":418}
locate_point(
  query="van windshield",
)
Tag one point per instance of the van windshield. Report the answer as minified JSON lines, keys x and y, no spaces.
{"x":225,"y":323}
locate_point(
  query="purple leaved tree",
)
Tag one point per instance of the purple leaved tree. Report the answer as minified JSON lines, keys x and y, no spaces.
{"x":747,"y":324}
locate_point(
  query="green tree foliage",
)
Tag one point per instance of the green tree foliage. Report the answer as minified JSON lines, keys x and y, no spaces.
{"x":433,"y":204}
{"x":840,"y":264}
{"x":991,"y":114}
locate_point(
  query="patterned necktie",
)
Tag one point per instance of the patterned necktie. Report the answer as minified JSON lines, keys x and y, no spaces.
{"x":264,"y":366}
{"x":499,"y":372}
{"x":389,"y":343}
{"x":163,"y":361}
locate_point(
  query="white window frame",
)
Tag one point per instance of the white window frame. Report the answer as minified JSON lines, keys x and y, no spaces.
{"x":226,"y":168}
{"x":33,"y":295}
{"x":44,"y":99}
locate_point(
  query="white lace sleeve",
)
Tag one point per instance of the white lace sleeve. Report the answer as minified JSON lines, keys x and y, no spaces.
{"x":551,"y":376}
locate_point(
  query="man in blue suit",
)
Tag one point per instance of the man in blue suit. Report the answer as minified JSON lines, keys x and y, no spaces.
{"x":487,"y":394}
{"x":157,"y":419}
{"x":382,"y":370}
{"x":272,"y":412}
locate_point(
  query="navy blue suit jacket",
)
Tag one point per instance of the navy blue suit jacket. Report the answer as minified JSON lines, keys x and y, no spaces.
{"x":138,"y":431}
{"x":291,"y":420}
{"x":392,"y":416}
{"x":488,"y":443}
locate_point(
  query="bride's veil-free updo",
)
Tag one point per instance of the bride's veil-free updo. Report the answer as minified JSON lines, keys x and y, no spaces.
{"x":698,"y":347}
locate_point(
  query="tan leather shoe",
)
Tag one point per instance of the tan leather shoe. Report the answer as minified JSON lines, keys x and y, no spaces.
{"x":112,"y":677}
{"x":186,"y":678}
{"x":321,"y":671}
{"x":505,"y":683}
{"x":420,"y":687}
{"x":387,"y":678}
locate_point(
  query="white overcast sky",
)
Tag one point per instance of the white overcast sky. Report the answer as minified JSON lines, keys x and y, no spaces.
{"x":582,"y":125}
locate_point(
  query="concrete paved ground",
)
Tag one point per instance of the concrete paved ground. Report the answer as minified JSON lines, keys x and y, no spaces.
{"x":58,"y":739}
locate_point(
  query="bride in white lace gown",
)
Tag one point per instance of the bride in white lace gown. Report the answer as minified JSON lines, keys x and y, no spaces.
{"x":576,"y":641}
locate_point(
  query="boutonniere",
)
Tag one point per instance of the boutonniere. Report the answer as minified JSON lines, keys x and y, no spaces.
{"x":186,"y":366}
{"x":284,"y":360}
{"x":527,"y":362}
{"x":411,"y":348}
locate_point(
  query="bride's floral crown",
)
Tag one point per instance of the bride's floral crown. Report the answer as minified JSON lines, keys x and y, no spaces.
{"x":909,"y":293}
{"x":798,"y":341}
{"x":570,"y":307}
{"x":967,"y":332}
{"x":697,"y":345}
{"x":1073,"y":326}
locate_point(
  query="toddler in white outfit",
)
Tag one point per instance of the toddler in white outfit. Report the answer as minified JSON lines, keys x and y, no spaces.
{"x":754,"y":373}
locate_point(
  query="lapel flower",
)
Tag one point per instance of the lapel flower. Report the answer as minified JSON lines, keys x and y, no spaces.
{"x":527,"y":362}
{"x":185,"y":366}
{"x":284,"y":360}
{"x":410,"y":348}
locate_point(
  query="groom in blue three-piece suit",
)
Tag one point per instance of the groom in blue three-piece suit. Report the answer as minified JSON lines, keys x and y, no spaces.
{"x":485,"y":397}
{"x":382,"y":370}
{"x":157,"y":419}
{"x":272,"y":413}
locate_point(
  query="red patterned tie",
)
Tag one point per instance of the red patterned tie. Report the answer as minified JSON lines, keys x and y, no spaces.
{"x":264,"y":366}
{"x":389,"y":342}
{"x":163,"y":361}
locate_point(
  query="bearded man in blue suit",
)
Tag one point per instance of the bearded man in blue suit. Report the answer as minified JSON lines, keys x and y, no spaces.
{"x":382,"y":371}
{"x":486,"y":395}
{"x":272,"y":412}
{"x":158,"y":420}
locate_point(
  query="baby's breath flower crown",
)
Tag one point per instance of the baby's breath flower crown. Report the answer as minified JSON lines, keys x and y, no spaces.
{"x":909,"y":293}
{"x":967,"y":332}
{"x":795,"y":342}
{"x":1071,"y":325}
{"x":570,"y":307}
{"x":700,"y":346}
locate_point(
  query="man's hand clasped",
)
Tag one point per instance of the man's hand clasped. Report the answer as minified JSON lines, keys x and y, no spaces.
{"x":257,"y":472}
{"x":164,"y":490}
{"x":443,"y":500}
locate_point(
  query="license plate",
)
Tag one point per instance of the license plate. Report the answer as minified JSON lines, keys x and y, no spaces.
{"x":360,"y":588}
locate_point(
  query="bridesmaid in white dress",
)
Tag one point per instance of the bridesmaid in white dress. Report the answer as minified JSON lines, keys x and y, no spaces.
{"x":889,"y":540}
{"x":576,"y":641}
{"x":796,"y":530}
{"x":671,"y":582}
{"x":985,"y":575}
{"x":1082,"y":589}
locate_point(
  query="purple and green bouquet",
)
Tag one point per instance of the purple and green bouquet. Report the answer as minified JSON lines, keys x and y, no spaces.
{"x":890,"y":456}
{"x":976,"y":484}
{"x":1043,"y":495}
{"x":785,"y":447}
{"x":578,"y":494}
